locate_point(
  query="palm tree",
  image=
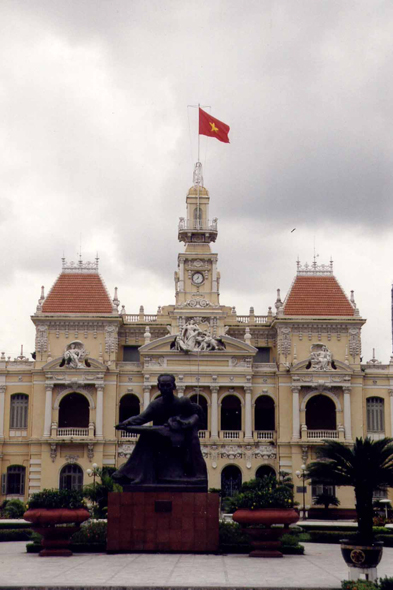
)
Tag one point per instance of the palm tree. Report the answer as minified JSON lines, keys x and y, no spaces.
{"x":367,"y":467}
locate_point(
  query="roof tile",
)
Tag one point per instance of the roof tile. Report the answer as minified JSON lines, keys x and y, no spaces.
{"x":317,"y":296}
{"x":78,"y":293}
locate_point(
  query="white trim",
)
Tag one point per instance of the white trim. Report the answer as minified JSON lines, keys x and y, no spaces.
{"x":267,"y":394}
{"x":235,"y":393}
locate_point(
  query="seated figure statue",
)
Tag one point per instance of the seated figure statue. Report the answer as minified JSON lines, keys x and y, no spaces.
{"x":167,"y":454}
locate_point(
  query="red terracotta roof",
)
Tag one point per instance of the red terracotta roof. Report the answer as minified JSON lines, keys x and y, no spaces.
{"x":317,"y":296}
{"x":78,"y":293}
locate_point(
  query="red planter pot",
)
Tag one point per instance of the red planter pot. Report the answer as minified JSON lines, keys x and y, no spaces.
{"x":266,"y":541}
{"x":56,"y":539}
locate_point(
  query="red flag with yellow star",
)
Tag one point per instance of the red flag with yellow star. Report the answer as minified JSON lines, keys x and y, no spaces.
{"x":212,"y":127}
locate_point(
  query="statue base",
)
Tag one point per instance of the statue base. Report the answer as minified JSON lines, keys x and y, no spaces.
{"x":163,"y":521}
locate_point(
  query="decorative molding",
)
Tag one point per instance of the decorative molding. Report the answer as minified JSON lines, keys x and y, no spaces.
{"x":82,"y":267}
{"x":41,"y":338}
{"x":90,"y":452}
{"x":71,"y":459}
{"x":314,"y":268}
{"x":231,"y":452}
{"x":53,"y":452}
{"x":198,"y":303}
{"x":111,"y":338}
{"x":265,"y":452}
{"x":126,"y":450}
{"x":284,"y":341}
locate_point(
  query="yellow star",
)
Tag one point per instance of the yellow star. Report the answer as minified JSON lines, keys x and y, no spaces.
{"x":213,"y":127}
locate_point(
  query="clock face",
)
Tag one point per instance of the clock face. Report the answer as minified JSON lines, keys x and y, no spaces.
{"x":197,"y":278}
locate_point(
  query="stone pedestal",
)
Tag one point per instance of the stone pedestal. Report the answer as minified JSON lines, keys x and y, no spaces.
{"x":163,"y":521}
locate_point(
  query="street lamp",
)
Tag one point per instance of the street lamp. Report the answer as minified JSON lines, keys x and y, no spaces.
{"x":303,"y":475}
{"x":93,"y":473}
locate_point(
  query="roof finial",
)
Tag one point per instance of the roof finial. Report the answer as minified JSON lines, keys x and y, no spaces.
{"x":197,"y":177}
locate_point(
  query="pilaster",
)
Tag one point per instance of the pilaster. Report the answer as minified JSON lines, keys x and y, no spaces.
{"x":2,"y":405}
{"x":100,"y":411}
{"x":347,"y":413}
{"x":248,"y":415}
{"x":295,"y":413}
{"x":214,"y":412}
{"x":48,"y":410}
{"x":146,"y":395}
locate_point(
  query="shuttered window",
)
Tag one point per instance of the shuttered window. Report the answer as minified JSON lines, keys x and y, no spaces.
{"x":19,"y":410}
{"x":16,"y":480}
{"x":375,"y":414}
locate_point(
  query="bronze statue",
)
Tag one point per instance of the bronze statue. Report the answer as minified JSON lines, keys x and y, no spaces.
{"x":168,"y":454}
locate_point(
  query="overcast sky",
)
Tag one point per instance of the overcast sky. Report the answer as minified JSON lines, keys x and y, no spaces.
{"x":98,"y":146}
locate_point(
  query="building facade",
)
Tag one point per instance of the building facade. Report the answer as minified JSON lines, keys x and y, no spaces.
{"x":272,"y":387}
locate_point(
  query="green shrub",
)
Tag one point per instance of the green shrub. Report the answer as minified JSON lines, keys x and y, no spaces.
{"x":91,"y":532}
{"x":14,"y":509}
{"x":98,"y":492}
{"x":330,"y":536}
{"x":292,"y":550}
{"x":57,"y":499}
{"x":15,"y":535}
{"x":358,"y":585}
{"x":33,"y":548}
{"x":385,"y":583}
{"x":14,"y":525}
{"x":265,"y":492}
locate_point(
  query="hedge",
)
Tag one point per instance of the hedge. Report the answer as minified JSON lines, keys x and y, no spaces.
{"x":14,"y":525}
{"x":15,"y":535}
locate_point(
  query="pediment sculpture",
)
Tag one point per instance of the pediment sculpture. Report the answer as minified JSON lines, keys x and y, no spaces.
{"x":75,"y":356}
{"x":321,"y":358}
{"x":193,"y":339}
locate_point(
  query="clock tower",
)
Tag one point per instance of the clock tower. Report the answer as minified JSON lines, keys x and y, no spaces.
{"x":197,"y":278}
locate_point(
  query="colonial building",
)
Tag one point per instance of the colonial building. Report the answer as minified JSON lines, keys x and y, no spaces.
{"x":272,"y":386}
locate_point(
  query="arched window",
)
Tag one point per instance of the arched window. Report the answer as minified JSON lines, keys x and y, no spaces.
{"x":231,"y":413}
{"x":129,"y":406}
{"x":231,"y":480}
{"x":202,"y":401}
{"x":197,"y":217}
{"x":375,"y":414}
{"x":264,"y":470}
{"x":74,"y":411}
{"x":15,"y":480}
{"x":19,"y":410}
{"x":264,"y":413}
{"x":71,"y":477}
{"x":320,"y":413}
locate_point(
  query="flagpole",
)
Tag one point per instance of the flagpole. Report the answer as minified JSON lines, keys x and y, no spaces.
{"x":199,"y":140}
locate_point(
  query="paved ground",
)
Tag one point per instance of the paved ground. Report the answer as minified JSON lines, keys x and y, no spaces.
{"x":321,"y":567}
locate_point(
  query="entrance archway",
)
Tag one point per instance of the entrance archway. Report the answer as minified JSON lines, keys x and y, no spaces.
{"x":231,"y":480}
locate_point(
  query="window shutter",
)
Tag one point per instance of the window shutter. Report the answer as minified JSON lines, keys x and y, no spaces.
{"x":4,"y":484}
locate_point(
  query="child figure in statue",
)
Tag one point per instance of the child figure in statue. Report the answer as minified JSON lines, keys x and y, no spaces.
{"x":167,"y":454}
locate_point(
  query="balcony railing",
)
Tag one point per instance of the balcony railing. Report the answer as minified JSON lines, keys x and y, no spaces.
{"x":128,"y":435}
{"x":256,"y":319}
{"x":73,"y":432}
{"x":231,"y":434}
{"x":203,"y":434}
{"x":131,"y":318}
{"x":322,"y":434}
{"x":264,"y":434}
{"x":195,"y":224}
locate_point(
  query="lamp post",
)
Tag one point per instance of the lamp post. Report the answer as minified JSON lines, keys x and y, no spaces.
{"x":303,"y":475}
{"x":386,"y":502}
{"x":93,"y":473}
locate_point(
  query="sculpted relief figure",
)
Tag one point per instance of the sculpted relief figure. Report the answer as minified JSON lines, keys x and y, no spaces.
{"x":167,"y":454}
{"x":75,"y":356}
{"x":320,"y":358}
{"x":193,"y":339}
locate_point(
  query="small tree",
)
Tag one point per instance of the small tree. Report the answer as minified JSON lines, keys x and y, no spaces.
{"x":98,"y":492}
{"x":326,"y":500}
{"x":367,"y":467}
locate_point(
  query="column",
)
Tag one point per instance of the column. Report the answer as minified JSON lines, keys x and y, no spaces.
{"x":181,"y":275}
{"x":100,"y":411}
{"x":146,"y":396}
{"x":347,"y":413}
{"x":248,"y":415}
{"x":295,"y":413}
{"x":2,"y":402}
{"x":391,"y":411}
{"x":214,"y":276}
{"x":48,"y":410}
{"x":214,"y":412}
